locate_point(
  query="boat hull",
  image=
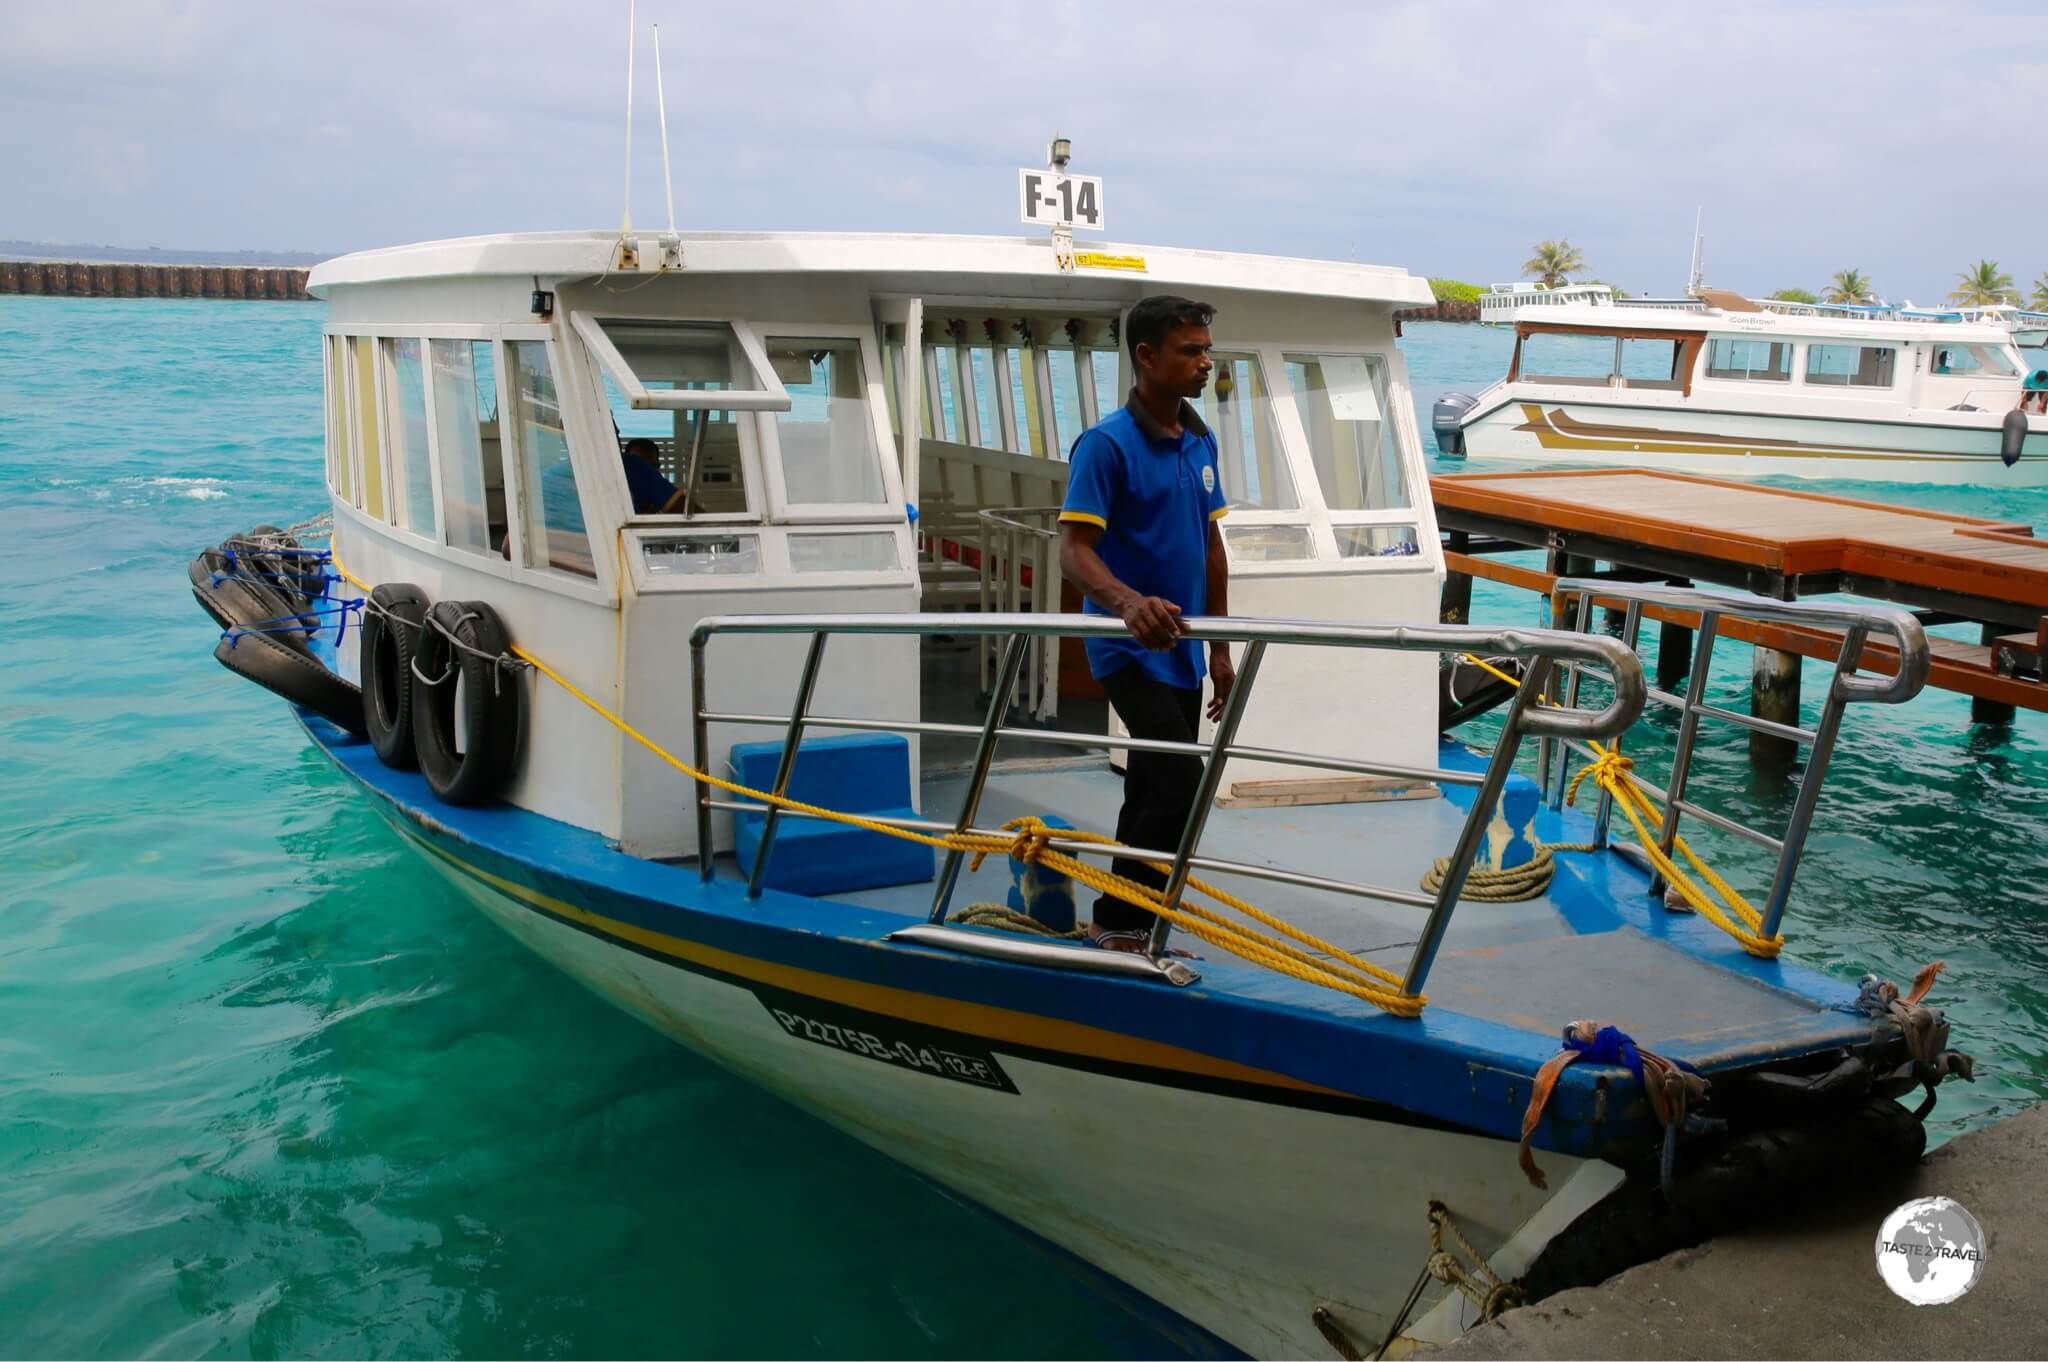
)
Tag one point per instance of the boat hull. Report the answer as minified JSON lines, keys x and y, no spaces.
{"x":1734,"y":444}
{"x":1241,"y":1213}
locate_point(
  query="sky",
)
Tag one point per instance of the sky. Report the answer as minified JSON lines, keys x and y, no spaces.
{"x":1446,"y":138}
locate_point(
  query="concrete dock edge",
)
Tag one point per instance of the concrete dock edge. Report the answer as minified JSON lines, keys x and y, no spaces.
{"x":1808,"y":1287}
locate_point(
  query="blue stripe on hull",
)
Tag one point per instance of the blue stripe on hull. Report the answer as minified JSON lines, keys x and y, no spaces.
{"x":1243,"y":1030}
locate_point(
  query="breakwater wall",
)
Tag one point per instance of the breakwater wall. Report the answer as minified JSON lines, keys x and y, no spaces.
{"x":1441,"y":312}
{"x":79,"y":279}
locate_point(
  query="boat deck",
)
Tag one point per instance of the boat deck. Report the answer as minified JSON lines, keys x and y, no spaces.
{"x":1595,"y":945}
{"x":1776,"y":542}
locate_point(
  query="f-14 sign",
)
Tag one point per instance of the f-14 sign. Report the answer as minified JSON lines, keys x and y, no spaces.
{"x":1053,"y":198}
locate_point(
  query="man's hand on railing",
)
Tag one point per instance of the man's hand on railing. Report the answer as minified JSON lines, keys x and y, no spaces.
{"x":1153,"y":621}
{"x":1223,"y":674}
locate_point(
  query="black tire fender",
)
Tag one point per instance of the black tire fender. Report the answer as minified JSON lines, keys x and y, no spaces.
{"x":444,"y":677}
{"x":390,"y":637}
{"x":282,"y":666}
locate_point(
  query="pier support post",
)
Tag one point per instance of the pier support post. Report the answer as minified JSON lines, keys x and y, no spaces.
{"x":1984,"y":711}
{"x":1455,"y":606}
{"x":1774,"y":695}
{"x":1674,"y":655}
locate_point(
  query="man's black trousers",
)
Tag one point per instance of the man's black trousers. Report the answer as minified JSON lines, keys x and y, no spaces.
{"x":1159,"y":787}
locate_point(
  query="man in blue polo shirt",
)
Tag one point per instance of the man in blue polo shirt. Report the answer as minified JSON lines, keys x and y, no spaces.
{"x":1138,"y":537}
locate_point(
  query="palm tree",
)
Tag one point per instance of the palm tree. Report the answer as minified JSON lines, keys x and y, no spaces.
{"x":2040,"y":299}
{"x":1554,"y":262}
{"x":1982,"y":284}
{"x":1794,"y":295}
{"x":1850,"y":286}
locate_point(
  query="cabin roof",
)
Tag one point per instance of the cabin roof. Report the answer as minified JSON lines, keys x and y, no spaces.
{"x":1607,"y":319}
{"x":927,"y":259}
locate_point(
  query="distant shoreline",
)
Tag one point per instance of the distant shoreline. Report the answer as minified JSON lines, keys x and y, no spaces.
{"x":55,"y":252}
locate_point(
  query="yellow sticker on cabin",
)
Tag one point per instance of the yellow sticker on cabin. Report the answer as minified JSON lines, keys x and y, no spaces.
{"x":1102,"y":260}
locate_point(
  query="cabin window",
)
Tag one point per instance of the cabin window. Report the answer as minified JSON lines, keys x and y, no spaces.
{"x":340,"y":471}
{"x":364,"y":364}
{"x":465,"y":425}
{"x":1239,"y":408}
{"x":1749,"y":360}
{"x":869,"y":552}
{"x":409,"y":403}
{"x":1377,"y":541}
{"x":556,"y":537}
{"x":1342,"y":402}
{"x":701,"y":555}
{"x":1974,"y":360}
{"x":1853,"y":366}
{"x":826,"y":439}
{"x":1652,"y":364}
{"x":702,"y":441}
{"x":1585,"y":361}
{"x":1269,"y":543}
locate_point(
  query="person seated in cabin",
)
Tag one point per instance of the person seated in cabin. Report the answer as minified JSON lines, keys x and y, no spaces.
{"x":650,"y":490}
{"x":1138,"y":536}
{"x":1943,"y":362}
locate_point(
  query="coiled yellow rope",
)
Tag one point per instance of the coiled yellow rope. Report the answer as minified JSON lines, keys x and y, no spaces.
{"x":1732,"y":913}
{"x":1031,"y":842}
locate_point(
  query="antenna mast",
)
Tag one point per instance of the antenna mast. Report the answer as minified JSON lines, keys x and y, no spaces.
{"x":668,"y":179}
{"x":632,"y":34}
{"x":1692,"y":286}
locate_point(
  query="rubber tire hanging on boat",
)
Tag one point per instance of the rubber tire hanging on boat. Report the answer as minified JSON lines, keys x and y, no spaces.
{"x":444,"y":676}
{"x":390,"y":638}
{"x":276,"y":659}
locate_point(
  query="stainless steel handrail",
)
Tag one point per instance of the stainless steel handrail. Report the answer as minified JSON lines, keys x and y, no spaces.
{"x":1539,"y":648}
{"x":1857,"y":623}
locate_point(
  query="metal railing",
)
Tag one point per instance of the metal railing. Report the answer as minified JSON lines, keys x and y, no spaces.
{"x":1539,"y":649}
{"x":1012,"y":540}
{"x":1856,"y":623}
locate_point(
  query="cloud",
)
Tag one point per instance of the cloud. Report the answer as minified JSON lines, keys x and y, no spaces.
{"x":1441,"y":136}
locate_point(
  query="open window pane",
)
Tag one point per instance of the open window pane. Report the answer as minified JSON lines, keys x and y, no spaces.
{"x":458,"y":438}
{"x":684,"y":462}
{"x":409,"y":399}
{"x":554,"y":511}
{"x":1239,"y":409}
{"x":1342,"y":402}
{"x":827,"y":437}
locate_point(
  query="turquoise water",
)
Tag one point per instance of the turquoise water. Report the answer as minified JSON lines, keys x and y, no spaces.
{"x":267,"y":1087}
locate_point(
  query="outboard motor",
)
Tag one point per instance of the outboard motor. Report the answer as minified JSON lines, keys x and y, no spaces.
{"x":2012,"y":436}
{"x":1446,"y":419}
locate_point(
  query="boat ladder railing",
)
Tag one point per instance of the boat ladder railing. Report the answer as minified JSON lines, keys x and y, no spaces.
{"x":1856,"y":624}
{"x":1540,"y":650}
{"x":1012,"y":540}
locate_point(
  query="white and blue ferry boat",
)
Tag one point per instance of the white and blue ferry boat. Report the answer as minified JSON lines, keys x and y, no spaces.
{"x":519,"y":656}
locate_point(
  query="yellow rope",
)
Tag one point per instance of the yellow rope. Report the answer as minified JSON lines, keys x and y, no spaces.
{"x":1732,"y":913}
{"x":1030,"y":841}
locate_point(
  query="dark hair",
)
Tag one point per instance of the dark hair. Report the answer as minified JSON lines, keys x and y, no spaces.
{"x":1151,"y":318}
{"x":642,"y":446}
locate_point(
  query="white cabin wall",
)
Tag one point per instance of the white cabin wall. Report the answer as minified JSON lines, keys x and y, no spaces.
{"x":568,"y":761}
{"x":865,"y":677}
{"x":1365,"y":704}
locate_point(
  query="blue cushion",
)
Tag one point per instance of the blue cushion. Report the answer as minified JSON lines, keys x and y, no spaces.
{"x":866,"y":773}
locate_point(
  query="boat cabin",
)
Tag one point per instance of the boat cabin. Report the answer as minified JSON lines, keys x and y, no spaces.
{"x":1769,"y":359}
{"x":609,"y":444}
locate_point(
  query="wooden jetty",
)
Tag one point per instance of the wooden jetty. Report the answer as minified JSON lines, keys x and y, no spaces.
{"x":1646,"y":525}
{"x":112,"y":279}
